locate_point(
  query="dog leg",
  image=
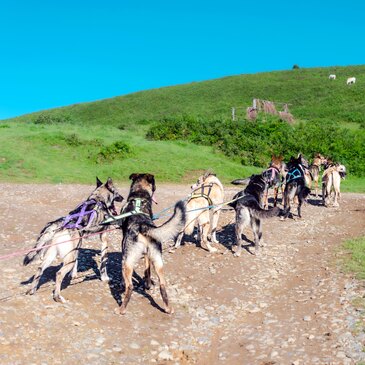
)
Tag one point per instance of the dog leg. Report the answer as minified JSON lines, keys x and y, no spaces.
{"x":215,"y":218}
{"x":127,"y":272}
{"x":68,"y":263}
{"x":49,"y":257}
{"x":257,"y":232}
{"x":147,"y":273}
{"x":239,"y":227}
{"x":179,"y":239}
{"x":104,"y":257}
{"x":276,"y":192}
{"x":204,"y":230}
{"x":158,"y":265}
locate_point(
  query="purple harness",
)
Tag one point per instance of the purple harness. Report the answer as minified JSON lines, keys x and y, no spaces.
{"x":69,"y":220}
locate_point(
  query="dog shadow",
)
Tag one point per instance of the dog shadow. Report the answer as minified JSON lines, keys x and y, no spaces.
{"x":116,"y":285}
{"x":85,"y":262}
{"x":227,"y":237}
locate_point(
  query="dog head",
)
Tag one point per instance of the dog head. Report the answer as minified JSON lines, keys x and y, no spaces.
{"x":106,"y":193}
{"x":341,"y":169}
{"x":144,"y":182}
{"x":201,"y":180}
{"x":277,"y":161}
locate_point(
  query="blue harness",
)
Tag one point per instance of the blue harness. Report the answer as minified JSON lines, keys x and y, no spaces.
{"x":294,"y":174}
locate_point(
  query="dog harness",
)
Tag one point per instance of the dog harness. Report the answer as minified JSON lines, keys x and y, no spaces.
{"x":69,"y":221}
{"x":135,"y":211}
{"x":294,"y":174}
{"x":202,"y":194}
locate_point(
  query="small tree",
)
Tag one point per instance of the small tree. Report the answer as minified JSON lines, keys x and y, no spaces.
{"x":295,"y":67}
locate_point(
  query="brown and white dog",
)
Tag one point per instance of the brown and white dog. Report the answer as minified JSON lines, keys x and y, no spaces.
{"x":315,"y":169}
{"x":142,"y":239}
{"x":203,"y":208}
{"x":331,"y":180}
{"x":62,"y":237}
{"x":274,"y":176}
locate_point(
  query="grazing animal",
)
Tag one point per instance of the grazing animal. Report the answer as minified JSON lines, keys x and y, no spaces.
{"x":332,"y":77}
{"x":351,"y":80}
{"x":247,"y":204}
{"x":207,"y":191}
{"x":315,"y":169}
{"x":273,"y":178}
{"x":331,"y":180}
{"x":295,"y":184}
{"x":66,"y":233}
{"x":141,"y":238}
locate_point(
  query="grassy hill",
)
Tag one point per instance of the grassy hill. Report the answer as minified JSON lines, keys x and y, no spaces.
{"x":68,"y":144}
{"x":309,"y":91}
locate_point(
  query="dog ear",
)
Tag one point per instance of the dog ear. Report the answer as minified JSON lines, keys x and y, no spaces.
{"x":109,"y":183}
{"x":133,"y":176}
{"x":98,"y":182}
{"x":151,"y":179}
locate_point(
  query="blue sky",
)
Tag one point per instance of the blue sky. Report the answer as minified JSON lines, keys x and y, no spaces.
{"x":57,"y":53}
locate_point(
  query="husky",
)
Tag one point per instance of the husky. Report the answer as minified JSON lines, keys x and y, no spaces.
{"x":141,"y":238}
{"x":315,"y":169}
{"x":65,"y":236}
{"x":295,"y":185}
{"x":247,"y":204}
{"x":331,"y":180}
{"x":207,"y":192}
{"x":273,"y":176}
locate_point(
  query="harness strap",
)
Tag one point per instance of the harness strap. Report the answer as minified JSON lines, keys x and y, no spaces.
{"x":67,"y":223}
{"x":294,"y":174}
{"x":135,"y":211}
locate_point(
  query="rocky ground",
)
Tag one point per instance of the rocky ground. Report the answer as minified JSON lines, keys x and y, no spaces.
{"x":291,"y":304}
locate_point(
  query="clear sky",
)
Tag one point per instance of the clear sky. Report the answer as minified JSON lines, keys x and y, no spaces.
{"x":57,"y":53}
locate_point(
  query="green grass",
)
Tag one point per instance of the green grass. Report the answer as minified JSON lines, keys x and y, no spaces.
{"x":47,"y":153}
{"x":309,"y":92}
{"x":64,"y":148}
{"x":355,"y":260}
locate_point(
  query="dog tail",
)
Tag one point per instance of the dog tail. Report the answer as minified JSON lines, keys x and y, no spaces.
{"x":240,"y":181}
{"x":170,"y":229}
{"x":260,"y":213}
{"x":45,"y":236}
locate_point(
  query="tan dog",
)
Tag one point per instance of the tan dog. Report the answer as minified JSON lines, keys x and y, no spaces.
{"x":331,"y":180}
{"x":315,"y":169}
{"x":208,"y":191}
{"x":273,"y":176}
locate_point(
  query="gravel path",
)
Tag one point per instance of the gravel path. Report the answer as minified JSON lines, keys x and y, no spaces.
{"x":289,"y":305}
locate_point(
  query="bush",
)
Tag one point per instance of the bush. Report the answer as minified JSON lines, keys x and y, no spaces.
{"x":116,"y":150}
{"x":51,"y":119}
{"x":253,"y":143}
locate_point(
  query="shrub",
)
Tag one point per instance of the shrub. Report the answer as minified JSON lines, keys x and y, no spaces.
{"x":51,"y":119}
{"x":116,"y":150}
{"x":253,"y":143}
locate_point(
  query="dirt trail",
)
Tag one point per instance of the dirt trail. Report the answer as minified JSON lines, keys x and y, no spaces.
{"x":289,"y":305}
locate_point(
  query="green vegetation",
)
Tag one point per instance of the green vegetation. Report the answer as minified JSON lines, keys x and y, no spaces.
{"x":254,"y":142}
{"x":309,"y":92}
{"x":72,"y":154}
{"x":355,"y":261}
{"x":189,"y":130}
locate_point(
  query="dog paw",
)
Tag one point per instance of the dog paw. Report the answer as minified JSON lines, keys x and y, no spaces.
{"x":169,"y":310}
{"x":59,"y":299}
{"x":122,"y":310}
{"x":212,"y":249}
{"x":30,"y":292}
{"x":237,"y":254}
{"x":104,"y":277}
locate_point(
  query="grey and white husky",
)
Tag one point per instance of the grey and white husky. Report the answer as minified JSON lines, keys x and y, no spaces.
{"x":63,"y":237}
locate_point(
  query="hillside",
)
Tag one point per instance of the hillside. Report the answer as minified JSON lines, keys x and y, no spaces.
{"x":73,"y":144}
{"x":309,"y":91}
